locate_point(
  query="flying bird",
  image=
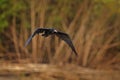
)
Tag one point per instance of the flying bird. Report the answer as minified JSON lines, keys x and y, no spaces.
{"x":50,"y":31}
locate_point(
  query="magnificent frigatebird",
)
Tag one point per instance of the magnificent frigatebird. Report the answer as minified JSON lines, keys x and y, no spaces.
{"x":50,"y":31}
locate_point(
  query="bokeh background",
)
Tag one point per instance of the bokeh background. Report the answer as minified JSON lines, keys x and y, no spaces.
{"x":93,"y":25}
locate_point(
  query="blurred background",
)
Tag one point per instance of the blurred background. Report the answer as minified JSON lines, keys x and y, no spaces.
{"x":93,"y":25}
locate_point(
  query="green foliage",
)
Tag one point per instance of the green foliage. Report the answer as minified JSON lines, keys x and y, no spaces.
{"x":3,"y":14}
{"x":111,"y":5}
{"x":8,"y":8}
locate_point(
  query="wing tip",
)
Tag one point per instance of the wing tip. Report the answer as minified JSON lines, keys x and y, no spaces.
{"x":76,"y":53}
{"x":25,"y":44}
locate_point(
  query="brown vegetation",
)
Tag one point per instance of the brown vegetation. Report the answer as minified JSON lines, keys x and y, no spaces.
{"x":93,"y":26}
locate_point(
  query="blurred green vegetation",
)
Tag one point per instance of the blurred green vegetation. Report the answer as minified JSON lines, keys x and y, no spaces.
{"x":7,"y":10}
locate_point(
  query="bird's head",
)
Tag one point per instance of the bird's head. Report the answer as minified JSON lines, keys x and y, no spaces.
{"x":55,"y":30}
{"x":52,"y":30}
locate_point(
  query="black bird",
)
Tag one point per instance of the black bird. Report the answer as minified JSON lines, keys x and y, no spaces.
{"x":50,"y":31}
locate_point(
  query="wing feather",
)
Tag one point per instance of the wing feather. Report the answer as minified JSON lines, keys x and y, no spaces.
{"x":37,"y":31}
{"x":67,"y":39}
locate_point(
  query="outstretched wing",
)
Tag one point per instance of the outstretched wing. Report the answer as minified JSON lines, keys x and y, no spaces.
{"x":67,"y":39}
{"x":37,"y":31}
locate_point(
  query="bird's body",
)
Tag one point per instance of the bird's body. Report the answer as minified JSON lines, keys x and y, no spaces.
{"x":50,"y":31}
